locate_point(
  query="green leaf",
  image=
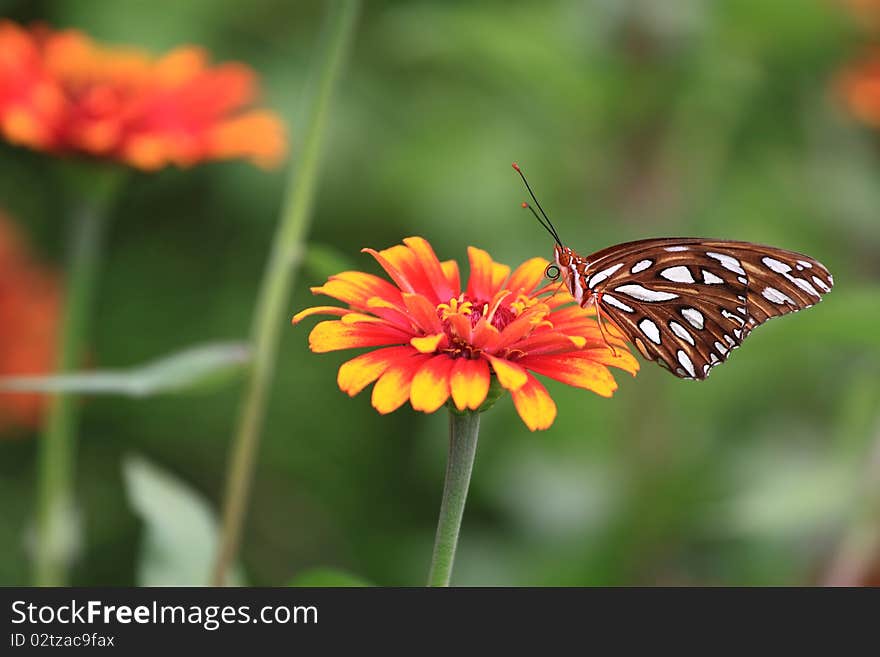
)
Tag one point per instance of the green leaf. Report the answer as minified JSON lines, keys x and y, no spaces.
{"x":327,"y":577}
{"x":181,"y":531}
{"x":196,"y":367}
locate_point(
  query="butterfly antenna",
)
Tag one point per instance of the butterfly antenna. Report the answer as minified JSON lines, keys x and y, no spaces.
{"x":546,"y":223}
{"x":549,"y":229}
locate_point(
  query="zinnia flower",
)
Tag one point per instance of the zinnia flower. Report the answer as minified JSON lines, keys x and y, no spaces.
{"x":29,"y":309}
{"x":61,"y":92}
{"x":438,"y":340}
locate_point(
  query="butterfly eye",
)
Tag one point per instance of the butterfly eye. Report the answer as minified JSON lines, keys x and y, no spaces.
{"x":552,"y":272}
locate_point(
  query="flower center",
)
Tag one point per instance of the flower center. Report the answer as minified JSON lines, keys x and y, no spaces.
{"x":499,"y":312}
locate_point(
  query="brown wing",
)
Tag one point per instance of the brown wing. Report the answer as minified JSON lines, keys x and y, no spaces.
{"x":688,"y":302}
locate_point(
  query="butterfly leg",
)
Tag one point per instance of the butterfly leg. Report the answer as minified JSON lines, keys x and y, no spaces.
{"x":596,"y":298}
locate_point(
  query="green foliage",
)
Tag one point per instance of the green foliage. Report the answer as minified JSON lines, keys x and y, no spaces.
{"x":196,"y":369}
{"x":180,"y":529}
{"x":320,"y":577}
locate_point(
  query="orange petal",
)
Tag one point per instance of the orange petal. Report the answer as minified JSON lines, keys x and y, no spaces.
{"x":395,"y":313}
{"x":534,"y":405}
{"x":461,"y":326}
{"x":356,"y":288}
{"x":402,"y":265}
{"x":577,"y":369}
{"x":432,"y":268}
{"x":526,"y":277}
{"x":428,"y":344}
{"x":318,"y":310}
{"x":334,"y":335}
{"x":430,"y":386}
{"x":623,"y":360}
{"x":572,"y":314}
{"x":522,"y":326}
{"x":450,"y":270}
{"x":551,"y":341}
{"x":392,"y":389}
{"x":510,"y":375}
{"x":486,"y":276}
{"x":484,"y":335}
{"x":500,"y":297}
{"x":423,"y":313}
{"x":469,"y":383}
{"x":559,"y":295}
{"x":258,"y":135}
{"x":352,"y":317}
{"x":358,"y":373}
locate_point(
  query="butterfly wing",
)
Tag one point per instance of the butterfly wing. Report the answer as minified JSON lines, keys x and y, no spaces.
{"x":687,"y":302}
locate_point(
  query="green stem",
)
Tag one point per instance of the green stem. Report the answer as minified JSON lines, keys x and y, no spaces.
{"x":278,"y":279}
{"x":463,"y":431}
{"x":56,"y":521}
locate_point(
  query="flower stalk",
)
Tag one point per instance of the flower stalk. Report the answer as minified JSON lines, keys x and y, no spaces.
{"x":278,"y":280}
{"x":94,"y":191}
{"x":463,"y":431}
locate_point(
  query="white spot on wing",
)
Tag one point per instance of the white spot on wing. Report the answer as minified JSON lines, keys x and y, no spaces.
{"x":720,"y":348}
{"x":822,"y":286}
{"x":650,"y":330}
{"x":784,"y":269}
{"x":693,"y":316}
{"x":804,"y":263}
{"x":776,"y":265}
{"x":774,"y":295}
{"x":743,"y":280}
{"x":641,"y":265}
{"x":806,"y":287}
{"x":602,"y":275}
{"x":728,"y":262}
{"x":686,"y":363}
{"x":711,"y":279}
{"x":681,"y":332}
{"x":644,"y":294}
{"x":734,"y":318}
{"x":673,"y":249}
{"x":617,"y":303}
{"x":679,"y":274}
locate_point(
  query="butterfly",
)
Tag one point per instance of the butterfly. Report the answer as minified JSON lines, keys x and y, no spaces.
{"x":686,"y":302}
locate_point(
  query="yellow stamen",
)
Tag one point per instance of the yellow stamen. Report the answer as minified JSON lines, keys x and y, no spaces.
{"x":522,"y":302}
{"x":455,"y":307}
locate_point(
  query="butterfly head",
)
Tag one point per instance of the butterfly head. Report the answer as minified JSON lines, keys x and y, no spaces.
{"x":566,"y":265}
{"x":561,"y":265}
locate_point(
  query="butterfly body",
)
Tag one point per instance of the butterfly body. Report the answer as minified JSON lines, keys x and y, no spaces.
{"x":686,"y":303}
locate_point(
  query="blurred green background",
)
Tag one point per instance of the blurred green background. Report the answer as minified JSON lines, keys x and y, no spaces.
{"x":633,"y":119}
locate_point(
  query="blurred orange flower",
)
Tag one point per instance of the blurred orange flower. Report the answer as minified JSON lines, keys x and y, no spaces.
{"x":29,"y":307}
{"x":61,"y":92}
{"x":858,"y":85}
{"x":438,"y":340}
